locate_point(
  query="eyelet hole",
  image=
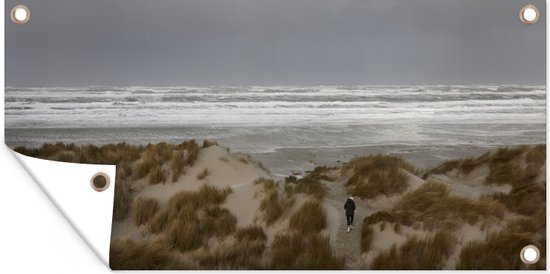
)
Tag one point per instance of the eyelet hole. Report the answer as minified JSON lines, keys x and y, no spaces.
{"x":20,"y":14}
{"x":100,"y":182}
{"x":530,"y":254}
{"x":529,"y":14}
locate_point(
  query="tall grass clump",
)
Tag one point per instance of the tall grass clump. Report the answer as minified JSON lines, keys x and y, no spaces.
{"x":500,"y":251}
{"x":464,"y":166}
{"x":506,"y":166}
{"x":190,"y":230}
{"x":122,"y":200}
{"x":311,"y":185}
{"x":267,"y":184}
{"x":157,"y":176}
{"x":377,"y":175}
{"x":433,"y":205}
{"x":130,"y":255}
{"x":192,"y":148}
{"x":218,"y":221}
{"x":144,"y":166}
{"x":536,"y":156}
{"x":526,"y":200}
{"x":245,"y":253}
{"x":185,"y":205}
{"x":144,"y":209}
{"x":177,"y":165}
{"x":298,"y":251}
{"x":273,"y":204}
{"x":251,"y":233}
{"x":419,"y":254}
{"x":310,"y":218}
{"x":185,"y":235}
{"x":367,"y":235}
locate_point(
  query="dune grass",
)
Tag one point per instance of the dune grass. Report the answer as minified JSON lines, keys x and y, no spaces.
{"x":218,"y":221}
{"x":433,"y":206}
{"x":191,"y":230}
{"x":507,"y":165}
{"x":144,"y":209}
{"x":501,"y":249}
{"x":273,"y":204}
{"x":419,"y":254}
{"x":184,"y":234}
{"x":244,"y":253}
{"x":311,"y":184}
{"x":144,"y":166}
{"x":185,"y":205}
{"x":299,"y":251}
{"x":267,"y":184}
{"x":367,"y":235}
{"x":464,"y":166}
{"x":377,"y":175}
{"x":192,"y":152}
{"x":157,"y":176}
{"x":130,"y":255}
{"x":526,"y":200}
{"x":310,"y":218}
{"x":536,"y":156}
{"x":203,"y":174}
{"x":122,"y":200}
{"x":177,"y":165}
{"x":251,"y":233}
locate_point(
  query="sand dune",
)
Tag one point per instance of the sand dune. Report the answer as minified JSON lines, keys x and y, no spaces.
{"x":405,"y":218}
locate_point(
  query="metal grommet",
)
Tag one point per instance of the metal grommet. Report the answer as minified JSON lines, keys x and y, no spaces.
{"x":529,"y":14}
{"x":529,"y":254}
{"x":100,"y":181}
{"x":20,"y":14}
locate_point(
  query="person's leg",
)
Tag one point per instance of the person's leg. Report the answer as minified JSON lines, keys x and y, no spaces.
{"x":348,"y":219}
{"x":351,"y":219}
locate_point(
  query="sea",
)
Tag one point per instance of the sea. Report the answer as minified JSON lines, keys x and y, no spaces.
{"x":264,"y":119}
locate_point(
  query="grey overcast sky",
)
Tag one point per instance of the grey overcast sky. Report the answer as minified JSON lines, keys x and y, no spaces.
{"x":274,"y":42}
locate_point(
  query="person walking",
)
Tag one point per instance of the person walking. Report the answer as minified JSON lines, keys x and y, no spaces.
{"x":349,"y":206}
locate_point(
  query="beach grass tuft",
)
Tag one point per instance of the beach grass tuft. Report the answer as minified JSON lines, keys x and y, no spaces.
{"x":157,"y":176}
{"x":144,"y":209}
{"x":122,"y":200}
{"x":378,"y":174}
{"x":177,"y":165}
{"x":367,"y":235}
{"x":298,"y":251}
{"x":131,"y":255}
{"x":251,"y":233}
{"x":309,"y":218}
{"x":434,"y":206}
{"x":500,"y":250}
{"x":418,"y":254}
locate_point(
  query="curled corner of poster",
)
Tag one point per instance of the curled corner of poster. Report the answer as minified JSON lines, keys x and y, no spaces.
{"x":68,"y":186}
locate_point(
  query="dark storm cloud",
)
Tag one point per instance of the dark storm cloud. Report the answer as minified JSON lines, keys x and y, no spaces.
{"x":203,"y":42}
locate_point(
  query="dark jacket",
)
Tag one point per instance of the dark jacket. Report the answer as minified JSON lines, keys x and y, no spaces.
{"x":349,"y":207}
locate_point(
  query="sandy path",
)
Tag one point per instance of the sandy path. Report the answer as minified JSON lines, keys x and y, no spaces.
{"x":344,"y":243}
